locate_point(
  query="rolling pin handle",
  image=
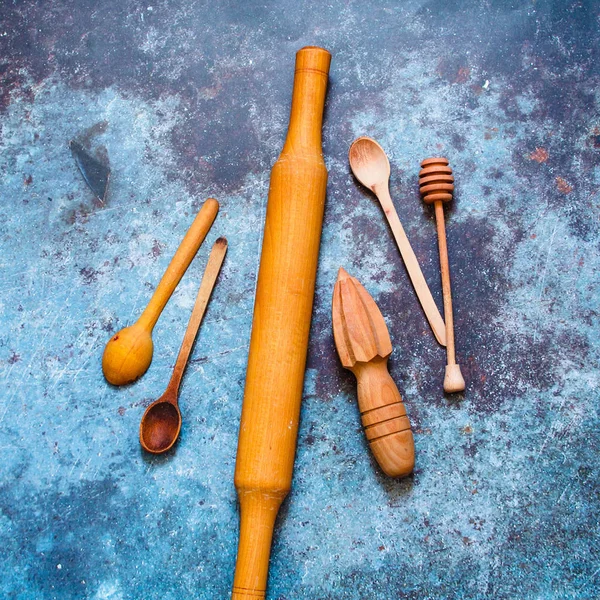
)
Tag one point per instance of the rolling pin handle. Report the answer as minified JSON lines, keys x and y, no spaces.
{"x":258,"y":511}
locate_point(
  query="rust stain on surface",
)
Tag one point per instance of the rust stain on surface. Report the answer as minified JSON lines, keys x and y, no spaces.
{"x":540,"y":155}
{"x":563,"y":185}
{"x":490,"y":133}
{"x":463,"y":75}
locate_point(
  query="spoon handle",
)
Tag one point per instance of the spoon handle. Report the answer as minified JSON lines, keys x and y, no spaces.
{"x":412,"y":266}
{"x":179,"y":263}
{"x":215,"y":260}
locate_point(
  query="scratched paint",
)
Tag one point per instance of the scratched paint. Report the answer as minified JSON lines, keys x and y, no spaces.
{"x":190,"y":101}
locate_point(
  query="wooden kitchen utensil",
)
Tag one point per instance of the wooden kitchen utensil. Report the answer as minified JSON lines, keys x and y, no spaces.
{"x":364,"y":346}
{"x":161,"y":422}
{"x":281,"y":324}
{"x":128,"y":353}
{"x":371,"y":167}
{"x":437,"y":184}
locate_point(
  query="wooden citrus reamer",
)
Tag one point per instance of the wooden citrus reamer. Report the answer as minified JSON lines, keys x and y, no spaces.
{"x":436,"y":184}
{"x":364,"y":346}
{"x":281,"y":324}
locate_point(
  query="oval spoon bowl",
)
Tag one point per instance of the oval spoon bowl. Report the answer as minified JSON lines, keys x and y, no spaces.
{"x":160,"y":427}
{"x":369,"y":162}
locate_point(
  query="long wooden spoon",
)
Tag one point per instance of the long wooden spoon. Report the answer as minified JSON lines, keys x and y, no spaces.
{"x":128,"y":353}
{"x":371,"y":167}
{"x":161,"y":422}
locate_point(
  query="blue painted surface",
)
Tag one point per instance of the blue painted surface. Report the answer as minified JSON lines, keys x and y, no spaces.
{"x":189,"y":100}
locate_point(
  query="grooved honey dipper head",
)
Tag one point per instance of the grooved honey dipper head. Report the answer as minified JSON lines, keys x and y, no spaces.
{"x":435,"y":180}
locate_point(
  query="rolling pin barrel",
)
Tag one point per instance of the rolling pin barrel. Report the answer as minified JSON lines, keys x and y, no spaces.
{"x":281,"y":324}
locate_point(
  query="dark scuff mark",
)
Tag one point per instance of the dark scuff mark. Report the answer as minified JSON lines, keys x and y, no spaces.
{"x":89,"y":275}
{"x":95,"y":173}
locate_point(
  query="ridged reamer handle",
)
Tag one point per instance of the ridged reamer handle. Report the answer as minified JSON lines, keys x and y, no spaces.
{"x":384,"y":419}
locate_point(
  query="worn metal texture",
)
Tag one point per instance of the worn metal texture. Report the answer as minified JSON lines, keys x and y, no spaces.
{"x":190,"y":99}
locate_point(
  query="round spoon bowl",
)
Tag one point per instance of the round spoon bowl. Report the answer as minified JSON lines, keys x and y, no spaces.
{"x":369,"y":162}
{"x":127,"y":355}
{"x":160,"y":427}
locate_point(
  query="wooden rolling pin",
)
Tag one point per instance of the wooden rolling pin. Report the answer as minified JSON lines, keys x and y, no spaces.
{"x":364,"y":346}
{"x":281,"y":324}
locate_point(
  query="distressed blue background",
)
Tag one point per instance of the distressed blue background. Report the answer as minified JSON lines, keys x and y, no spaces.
{"x":189,"y":100}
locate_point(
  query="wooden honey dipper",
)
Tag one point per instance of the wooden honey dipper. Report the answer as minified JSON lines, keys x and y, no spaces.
{"x":364,"y":346}
{"x":436,"y":184}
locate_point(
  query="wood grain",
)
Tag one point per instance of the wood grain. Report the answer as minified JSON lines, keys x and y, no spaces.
{"x":436,"y":184}
{"x":364,"y":346}
{"x":371,"y":167}
{"x":281,"y":324}
{"x":161,"y":423}
{"x":128,"y":353}
{"x":209,"y":279}
{"x":412,"y":266}
{"x":180,"y":262}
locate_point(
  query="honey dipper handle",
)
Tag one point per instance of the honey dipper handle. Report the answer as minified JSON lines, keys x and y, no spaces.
{"x":453,"y":380}
{"x":179,"y":263}
{"x":384,"y":419}
{"x":445,"y":270}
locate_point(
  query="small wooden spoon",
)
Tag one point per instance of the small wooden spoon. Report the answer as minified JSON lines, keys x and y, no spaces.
{"x":371,"y":167}
{"x":128,"y":353}
{"x":161,"y":422}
